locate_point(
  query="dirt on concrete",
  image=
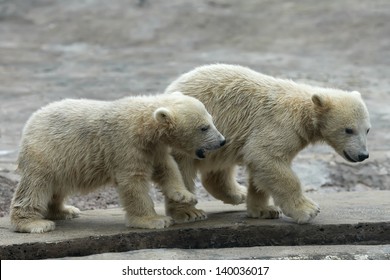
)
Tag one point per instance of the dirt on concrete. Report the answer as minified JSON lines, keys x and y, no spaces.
{"x":50,"y":50}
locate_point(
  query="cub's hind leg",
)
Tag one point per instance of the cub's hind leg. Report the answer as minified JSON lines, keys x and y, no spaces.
{"x":258,"y":202}
{"x":222,"y":185}
{"x":29,"y":206}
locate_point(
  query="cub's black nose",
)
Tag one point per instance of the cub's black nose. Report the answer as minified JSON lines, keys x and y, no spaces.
{"x":362,"y":157}
{"x":223,"y":142}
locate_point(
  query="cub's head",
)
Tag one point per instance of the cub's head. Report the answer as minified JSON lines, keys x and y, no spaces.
{"x":344,"y":123}
{"x":188,"y":126}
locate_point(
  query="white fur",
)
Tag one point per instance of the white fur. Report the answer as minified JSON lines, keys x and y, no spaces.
{"x":76,"y":146}
{"x":266,"y":122}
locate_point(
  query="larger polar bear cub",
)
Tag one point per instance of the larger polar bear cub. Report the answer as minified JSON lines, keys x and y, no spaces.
{"x":79,"y":145}
{"x":266,"y":122}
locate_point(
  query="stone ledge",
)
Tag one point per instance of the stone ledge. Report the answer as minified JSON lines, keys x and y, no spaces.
{"x":345,"y":218}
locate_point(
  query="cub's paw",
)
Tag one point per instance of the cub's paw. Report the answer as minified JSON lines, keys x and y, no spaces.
{"x":301,"y":210}
{"x":265,"y":212}
{"x":186,"y":214}
{"x":150,"y":222}
{"x":183,"y":196}
{"x":35,"y":226}
{"x":235,"y":196}
{"x":67,"y":212}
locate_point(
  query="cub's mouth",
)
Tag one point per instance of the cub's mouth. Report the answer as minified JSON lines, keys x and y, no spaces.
{"x":200,"y":153}
{"x":348,"y":157}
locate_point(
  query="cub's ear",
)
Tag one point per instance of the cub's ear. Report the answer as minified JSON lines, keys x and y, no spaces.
{"x":163,"y":115}
{"x":320,"y":101}
{"x":356,"y":93}
{"x":177,"y":93}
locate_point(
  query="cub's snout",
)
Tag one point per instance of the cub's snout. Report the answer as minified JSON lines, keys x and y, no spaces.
{"x":358,"y":158}
{"x":211,"y":144}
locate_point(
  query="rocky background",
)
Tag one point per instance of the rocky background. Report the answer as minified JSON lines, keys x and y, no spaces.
{"x":99,"y":49}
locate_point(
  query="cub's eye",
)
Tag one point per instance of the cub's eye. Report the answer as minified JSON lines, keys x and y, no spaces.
{"x":349,"y":130}
{"x":205,"y":128}
{"x":368,"y":130}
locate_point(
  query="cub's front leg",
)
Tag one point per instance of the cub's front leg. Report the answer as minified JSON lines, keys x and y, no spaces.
{"x":278,"y":180}
{"x":167,"y":175}
{"x":179,"y":211}
{"x":134,"y":195}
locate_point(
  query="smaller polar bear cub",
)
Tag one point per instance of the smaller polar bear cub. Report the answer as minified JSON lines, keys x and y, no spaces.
{"x":76,"y":146}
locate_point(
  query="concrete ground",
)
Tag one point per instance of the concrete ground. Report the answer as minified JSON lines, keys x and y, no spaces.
{"x":101,"y":49}
{"x":307,"y":252}
{"x":350,"y":226}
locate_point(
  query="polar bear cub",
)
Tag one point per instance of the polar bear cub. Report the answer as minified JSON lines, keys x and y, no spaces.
{"x":267,"y":121}
{"x":76,"y":146}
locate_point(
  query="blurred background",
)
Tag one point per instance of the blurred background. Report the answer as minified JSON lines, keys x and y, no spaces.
{"x":99,"y":49}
